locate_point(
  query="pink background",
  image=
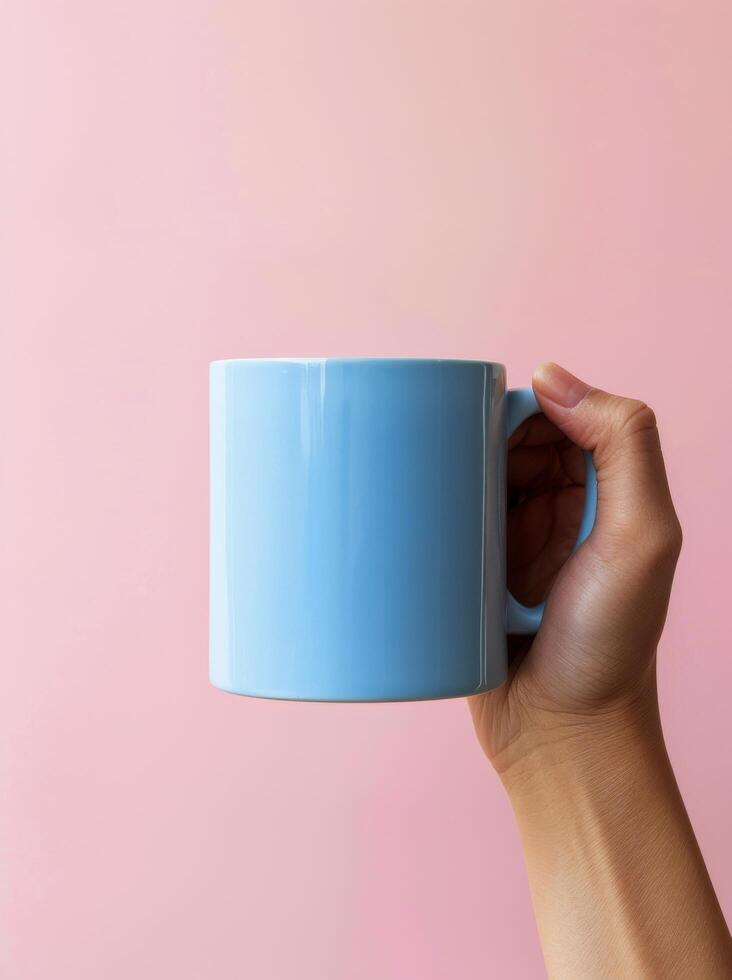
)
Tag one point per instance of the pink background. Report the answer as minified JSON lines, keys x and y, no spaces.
{"x":190,"y":180}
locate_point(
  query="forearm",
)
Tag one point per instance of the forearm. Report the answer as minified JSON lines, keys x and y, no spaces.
{"x":618,"y":882}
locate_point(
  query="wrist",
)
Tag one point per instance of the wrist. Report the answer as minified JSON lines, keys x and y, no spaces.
{"x":580,"y":754}
{"x":616,"y":876}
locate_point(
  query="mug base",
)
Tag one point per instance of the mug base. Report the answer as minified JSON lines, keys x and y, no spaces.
{"x":356,"y":699}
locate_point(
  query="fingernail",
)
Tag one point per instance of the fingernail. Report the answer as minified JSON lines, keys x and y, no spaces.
{"x":554,"y":383}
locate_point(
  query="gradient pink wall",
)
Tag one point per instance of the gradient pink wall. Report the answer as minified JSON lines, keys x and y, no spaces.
{"x":198,"y":179}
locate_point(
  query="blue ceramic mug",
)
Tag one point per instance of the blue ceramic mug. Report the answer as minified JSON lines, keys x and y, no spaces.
{"x":358,"y":527}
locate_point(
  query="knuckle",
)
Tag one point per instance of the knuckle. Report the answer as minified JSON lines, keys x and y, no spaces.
{"x":675,"y":536}
{"x":654,"y":540}
{"x":630,"y":427}
{"x":634,"y":417}
{"x":663,"y":540}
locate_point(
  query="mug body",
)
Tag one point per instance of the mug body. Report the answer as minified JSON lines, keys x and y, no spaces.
{"x":357,"y":528}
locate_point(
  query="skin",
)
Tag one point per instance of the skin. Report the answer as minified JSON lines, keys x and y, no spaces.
{"x":618,"y":882}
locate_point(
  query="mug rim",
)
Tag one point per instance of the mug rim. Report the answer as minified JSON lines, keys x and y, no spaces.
{"x":389,"y":359}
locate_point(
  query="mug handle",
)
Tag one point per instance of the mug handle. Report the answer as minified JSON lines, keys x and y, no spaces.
{"x":521,"y":405}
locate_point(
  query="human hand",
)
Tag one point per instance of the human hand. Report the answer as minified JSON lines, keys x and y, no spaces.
{"x":592,"y":663}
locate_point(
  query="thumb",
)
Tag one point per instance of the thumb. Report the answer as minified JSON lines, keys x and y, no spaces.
{"x":634,"y":505}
